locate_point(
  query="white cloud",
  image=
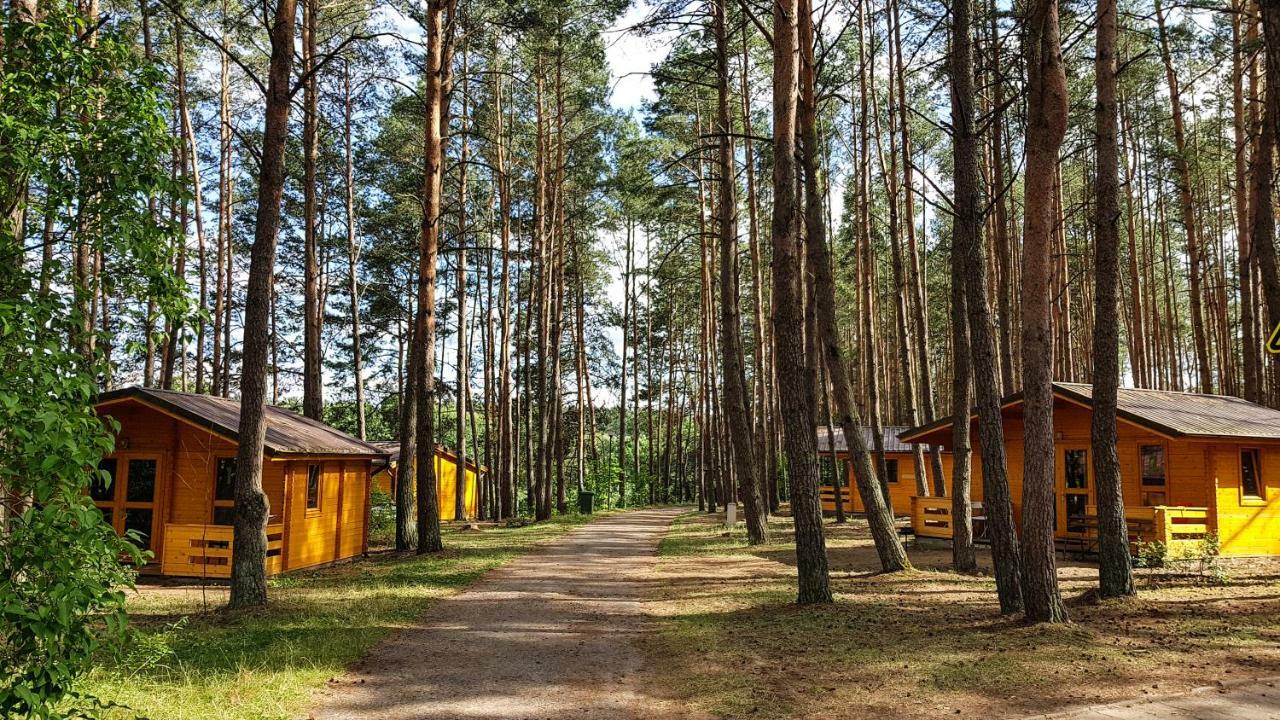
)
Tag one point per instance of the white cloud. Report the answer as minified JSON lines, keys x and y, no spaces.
{"x":632,"y":56}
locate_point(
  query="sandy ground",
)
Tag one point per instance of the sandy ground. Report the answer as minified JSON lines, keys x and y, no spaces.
{"x":1244,"y":701}
{"x":551,"y":635}
{"x":931,"y":644}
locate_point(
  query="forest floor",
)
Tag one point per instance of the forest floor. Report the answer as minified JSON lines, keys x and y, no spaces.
{"x":193,"y":659}
{"x":928,"y":643}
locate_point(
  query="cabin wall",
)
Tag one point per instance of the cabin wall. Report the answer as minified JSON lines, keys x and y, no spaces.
{"x":1245,"y":526}
{"x":188,"y":462}
{"x":1185,"y":461}
{"x":900,"y":492}
{"x":446,"y":482}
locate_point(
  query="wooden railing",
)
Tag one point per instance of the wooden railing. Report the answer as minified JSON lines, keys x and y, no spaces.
{"x":205,"y":550}
{"x":931,"y":516}
{"x":827,"y":494}
{"x":1169,"y":524}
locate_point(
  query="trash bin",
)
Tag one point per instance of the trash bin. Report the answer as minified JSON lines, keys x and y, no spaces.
{"x":586,"y":502}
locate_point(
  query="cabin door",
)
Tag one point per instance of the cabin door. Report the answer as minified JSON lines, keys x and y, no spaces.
{"x":1075,"y":491}
{"x":129,"y":502}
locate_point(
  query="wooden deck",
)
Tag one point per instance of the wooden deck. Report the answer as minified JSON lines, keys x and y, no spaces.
{"x":1176,"y":526}
{"x":205,"y":550}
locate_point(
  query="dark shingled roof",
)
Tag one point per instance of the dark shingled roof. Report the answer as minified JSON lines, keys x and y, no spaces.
{"x":891,"y":442}
{"x":1176,"y":414}
{"x":287,"y":433}
{"x":1184,"y":414}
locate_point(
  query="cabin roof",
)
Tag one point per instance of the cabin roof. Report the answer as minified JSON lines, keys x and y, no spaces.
{"x":392,"y":448}
{"x":1187,"y":414}
{"x":1172,"y":413}
{"x":890,"y":435}
{"x":287,"y":432}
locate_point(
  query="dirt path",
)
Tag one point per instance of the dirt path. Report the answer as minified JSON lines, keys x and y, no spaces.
{"x":548,"y":636}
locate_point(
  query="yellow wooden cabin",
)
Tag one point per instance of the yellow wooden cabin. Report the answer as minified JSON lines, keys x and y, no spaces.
{"x":900,"y":464}
{"x":384,"y":479}
{"x":174,"y":474}
{"x":1190,"y":464}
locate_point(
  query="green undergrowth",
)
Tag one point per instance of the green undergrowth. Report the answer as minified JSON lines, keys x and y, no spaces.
{"x":191,"y":658}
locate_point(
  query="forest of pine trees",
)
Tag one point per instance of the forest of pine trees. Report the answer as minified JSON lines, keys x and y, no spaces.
{"x":434,"y":223}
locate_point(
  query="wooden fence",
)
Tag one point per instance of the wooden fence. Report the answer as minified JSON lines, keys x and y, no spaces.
{"x":205,"y":550}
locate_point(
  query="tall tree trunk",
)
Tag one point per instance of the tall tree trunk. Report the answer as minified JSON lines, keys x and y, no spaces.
{"x":1115,"y":574}
{"x":1046,"y":125}
{"x":435,"y":96}
{"x":1005,"y":549}
{"x":463,"y":371}
{"x":313,"y":313}
{"x":506,"y":444}
{"x":875,"y":502}
{"x":796,"y":378}
{"x":760,"y":361}
{"x":1264,"y":231}
{"x":353,"y":256}
{"x":737,"y":411}
{"x":1187,"y":206}
{"x":249,"y":544}
{"x":192,"y":160}
{"x":406,"y":529}
{"x":622,"y":391}
{"x":1249,"y":345}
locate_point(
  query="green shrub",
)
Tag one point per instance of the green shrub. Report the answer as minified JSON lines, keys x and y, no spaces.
{"x":382,"y":519}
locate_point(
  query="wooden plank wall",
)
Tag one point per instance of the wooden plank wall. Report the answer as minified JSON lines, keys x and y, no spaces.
{"x":1187,"y":477}
{"x":900,"y":492}
{"x":1246,"y":526}
{"x":189,"y":457}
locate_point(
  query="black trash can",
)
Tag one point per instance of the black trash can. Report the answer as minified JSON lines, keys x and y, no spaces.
{"x":586,"y":502}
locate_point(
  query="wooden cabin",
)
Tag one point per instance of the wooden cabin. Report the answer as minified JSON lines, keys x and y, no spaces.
{"x":384,"y":479}
{"x":173,"y":473}
{"x":900,"y":466}
{"x":1190,"y":464}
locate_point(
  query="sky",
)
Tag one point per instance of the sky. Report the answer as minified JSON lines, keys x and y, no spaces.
{"x":631,"y":57}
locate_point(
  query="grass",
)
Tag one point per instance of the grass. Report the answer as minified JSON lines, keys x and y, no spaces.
{"x":928,"y":642}
{"x":192,"y":659}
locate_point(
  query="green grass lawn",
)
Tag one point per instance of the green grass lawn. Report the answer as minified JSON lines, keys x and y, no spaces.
{"x":193,"y":659}
{"x":930,"y":643}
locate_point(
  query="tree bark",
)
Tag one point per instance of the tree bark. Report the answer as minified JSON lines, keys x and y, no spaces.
{"x":313,"y":313}
{"x":435,"y":97}
{"x":1115,"y":574}
{"x":796,"y":379}
{"x":249,"y":544}
{"x":1187,"y":206}
{"x":1046,"y":125}
{"x":353,"y":256}
{"x":1264,"y":231}
{"x":737,"y":412}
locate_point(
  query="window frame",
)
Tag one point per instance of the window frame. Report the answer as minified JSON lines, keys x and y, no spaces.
{"x":1261,"y":486}
{"x":214,"y":501}
{"x":1143,"y":485}
{"x":892,"y":477}
{"x":319,"y":496}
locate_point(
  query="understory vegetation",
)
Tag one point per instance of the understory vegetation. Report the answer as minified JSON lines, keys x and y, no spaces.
{"x":190,"y":658}
{"x":930,"y":643}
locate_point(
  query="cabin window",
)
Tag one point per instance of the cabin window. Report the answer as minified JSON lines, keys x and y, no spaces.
{"x":104,"y":489}
{"x":313,"y":487}
{"x":1250,"y":474}
{"x":224,"y":492}
{"x":141,"y":486}
{"x":829,"y":471}
{"x":891,"y":471}
{"x":1154,"y":476}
